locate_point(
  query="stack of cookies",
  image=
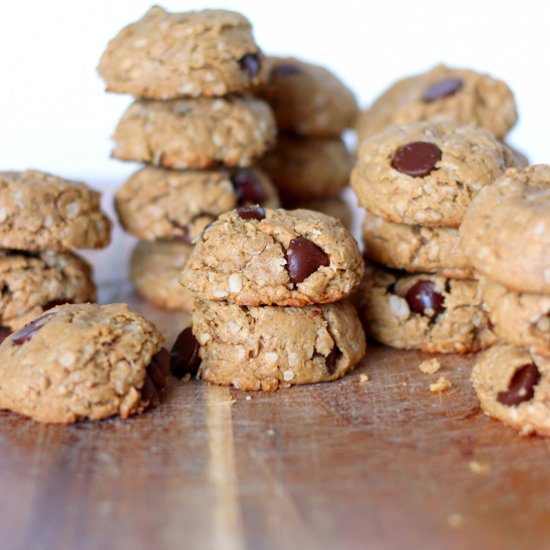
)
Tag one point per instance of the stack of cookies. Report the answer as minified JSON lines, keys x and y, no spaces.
{"x":416,"y":181}
{"x":196,"y":129}
{"x":506,"y":236}
{"x":271,"y":309}
{"x":310,"y":164}
{"x":43,"y":219}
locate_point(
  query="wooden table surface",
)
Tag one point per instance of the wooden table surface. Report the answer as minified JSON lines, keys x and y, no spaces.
{"x":379,"y":464}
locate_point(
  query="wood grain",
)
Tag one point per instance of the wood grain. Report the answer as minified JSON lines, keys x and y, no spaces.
{"x":381,"y":464}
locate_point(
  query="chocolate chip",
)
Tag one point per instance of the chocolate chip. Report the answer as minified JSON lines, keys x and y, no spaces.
{"x":423,"y":298}
{"x":159,"y":368}
{"x":55,"y":303}
{"x":250,"y":63}
{"x":442,"y":88}
{"x":303,"y":258}
{"x":149,"y":392}
{"x":4,"y":333}
{"x":251,"y":213}
{"x":30,"y":329}
{"x":521,"y":387}
{"x":184,"y":357}
{"x":248,"y":188}
{"x":284,"y":69}
{"x":332,"y":359}
{"x":416,"y":159}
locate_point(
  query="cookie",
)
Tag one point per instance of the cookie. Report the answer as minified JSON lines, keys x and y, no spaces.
{"x":256,"y":256}
{"x":423,"y":311}
{"x":156,"y":203}
{"x":308,"y":99}
{"x":80,"y":362}
{"x":521,"y":318}
{"x":33,"y":283}
{"x":155,"y":268}
{"x":267,"y":348}
{"x":426,"y":173}
{"x":308,"y":168}
{"x":443,"y":93}
{"x":512,"y":385}
{"x":506,"y":232}
{"x":415,"y":248}
{"x":195,"y":133}
{"x":168,"y":55}
{"x":336,"y":207}
{"x":39,"y":211}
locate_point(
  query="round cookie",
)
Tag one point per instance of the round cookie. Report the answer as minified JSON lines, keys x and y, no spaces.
{"x":423,"y":311}
{"x":256,"y":256}
{"x":156,"y":203}
{"x":34,"y":283}
{"x":155,"y":268}
{"x":195,"y":133}
{"x":426,"y":173}
{"x":39,"y":211}
{"x":307,"y":99}
{"x":414,"y":247}
{"x":266,"y":348}
{"x":443,"y":93}
{"x":80,"y":362}
{"x":512,"y":385}
{"x":520,"y":318}
{"x":336,"y":207}
{"x":309,"y":168}
{"x":506,"y":231}
{"x":167,"y":55}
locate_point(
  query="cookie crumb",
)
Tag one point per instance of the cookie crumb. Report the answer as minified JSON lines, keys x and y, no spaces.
{"x":455,"y":520}
{"x":441,"y":385}
{"x":479,"y":468}
{"x":363,"y":378}
{"x":429,"y":366}
{"x":270,"y":432}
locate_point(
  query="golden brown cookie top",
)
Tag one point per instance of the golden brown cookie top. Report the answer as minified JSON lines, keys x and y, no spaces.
{"x":426,"y":173}
{"x":308,"y":99}
{"x":167,"y":55}
{"x":443,"y":93}
{"x":156,"y":203}
{"x":195,"y":133}
{"x":39,"y":211}
{"x":506,"y":231}
{"x":254,"y":256}
{"x":82,"y":361}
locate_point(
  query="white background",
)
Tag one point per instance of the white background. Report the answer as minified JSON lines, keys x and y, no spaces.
{"x":55,"y":116}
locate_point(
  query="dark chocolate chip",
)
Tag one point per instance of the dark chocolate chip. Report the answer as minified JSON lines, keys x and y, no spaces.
{"x":4,"y":333}
{"x":149,"y":392}
{"x":30,"y":329}
{"x":251,"y":64}
{"x":55,"y":303}
{"x":284,"y":69}
{"x":251,"y":213}
{"x":332,"y":359}
{"x":521,"y":387}
{"x":303,"y":258}
{"x":416,"y":159}
{"x":159,"y":368}
{"x":248,"y":188}
{"x":422,"y":297}
{"x":442,"y":88}
{"x":184,"y":357}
